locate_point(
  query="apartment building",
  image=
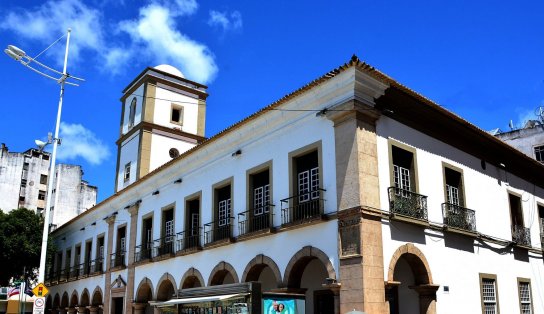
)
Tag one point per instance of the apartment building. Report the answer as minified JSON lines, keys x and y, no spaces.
{"x":24,"y":179}
{"x":351,"y":193}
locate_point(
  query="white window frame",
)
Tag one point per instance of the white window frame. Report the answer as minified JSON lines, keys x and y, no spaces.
{"x":223,"y":210}
{"x":452,"y":193}
{"x":402,"y":180}
{"x":261,"y":198}
{"x":169,"y":231}
{"x":489,"y":294}
{"x":126,"y":175}
{"x":308,"y":185}
{"x":525,"y":298}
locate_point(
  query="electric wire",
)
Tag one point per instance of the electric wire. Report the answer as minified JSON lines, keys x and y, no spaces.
{"x":56,"y":41}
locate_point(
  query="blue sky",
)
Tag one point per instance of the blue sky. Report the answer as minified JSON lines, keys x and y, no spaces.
{"x":480,"y":59}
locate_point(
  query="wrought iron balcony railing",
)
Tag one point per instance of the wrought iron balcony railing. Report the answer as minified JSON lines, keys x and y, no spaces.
{"x":143,"y":252}
{"x":459,"y":217}
{"x":75,"y":271}
{"x":117,"y":259}
{"x":188,"y":239}
{"x":257,"y":219}
{"x":218,"y":230}
{"x":54,"y":276}
{"x":97,"y":266}
{"x":164,"y":246}
{"x":303,"y":207}
{"x":407,"y":203}
{"x":521,"y":235}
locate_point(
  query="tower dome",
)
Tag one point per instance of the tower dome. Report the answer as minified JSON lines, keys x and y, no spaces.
{"x":170,"y":70}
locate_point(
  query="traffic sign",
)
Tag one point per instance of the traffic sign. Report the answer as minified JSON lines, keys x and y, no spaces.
{"x":40,"y":290}
{"x":39,"y":306}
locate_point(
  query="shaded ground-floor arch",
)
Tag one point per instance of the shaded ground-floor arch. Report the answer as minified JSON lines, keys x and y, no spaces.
{"x":307,"y":271}
{"x":63,"y":303}
{"x":166,"y":288}
{"x":191,"y":279}
{"x":264,"y":270}
{"x":144,"y":294}
{"x":409,"y":287}
{"x":222,"y":273}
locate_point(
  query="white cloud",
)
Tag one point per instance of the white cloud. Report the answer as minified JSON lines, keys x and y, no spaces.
{"x":77,"y":141}
{"x":50,"y":20}
{"x":226,"y":23}
{"x":154,"y":35}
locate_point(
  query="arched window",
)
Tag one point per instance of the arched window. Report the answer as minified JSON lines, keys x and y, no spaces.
{"x":132,"y":113}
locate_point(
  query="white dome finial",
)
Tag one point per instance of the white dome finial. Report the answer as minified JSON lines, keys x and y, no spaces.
{"x":169,"y":69}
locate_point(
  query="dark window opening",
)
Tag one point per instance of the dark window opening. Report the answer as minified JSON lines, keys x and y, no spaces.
{"x":43,"y":179}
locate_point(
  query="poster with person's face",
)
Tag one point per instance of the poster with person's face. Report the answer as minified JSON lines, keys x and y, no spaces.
{"x":279,"y":306}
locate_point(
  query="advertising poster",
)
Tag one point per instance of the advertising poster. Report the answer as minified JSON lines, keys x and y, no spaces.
{"x":277,"y":306}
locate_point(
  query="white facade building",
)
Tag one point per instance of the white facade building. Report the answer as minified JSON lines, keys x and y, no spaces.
{"x":353,"y":192}
{"x":23,"y":183}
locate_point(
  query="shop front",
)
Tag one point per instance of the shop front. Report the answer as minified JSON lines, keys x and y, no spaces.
{"x":243,"y":298}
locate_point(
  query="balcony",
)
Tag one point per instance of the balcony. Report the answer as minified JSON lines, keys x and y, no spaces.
{"x":117,"y":260}
{"x":188,"y":240}
{"x":142,"y":252}
{"x":407,"y":204}
{"x":302,"y":208}
{"x":459,"y":217}
{"x":96,"y":266}
{"x":521,"y":235}
{"x":220,"y":230}
{"x":55,"y":276}
{"x":164,"y":246}
{"x":256,"y":220}
{"x":75,"y":272}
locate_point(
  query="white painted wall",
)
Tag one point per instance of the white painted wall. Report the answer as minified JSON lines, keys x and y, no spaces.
{"x":166,"y":96}
{"x":128,"y":153}
{"x":161,"y":143}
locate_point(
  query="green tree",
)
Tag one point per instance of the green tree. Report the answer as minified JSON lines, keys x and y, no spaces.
{"x":20,"y":244}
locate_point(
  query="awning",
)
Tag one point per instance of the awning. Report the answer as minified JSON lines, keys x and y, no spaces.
{"x":197,"y":299}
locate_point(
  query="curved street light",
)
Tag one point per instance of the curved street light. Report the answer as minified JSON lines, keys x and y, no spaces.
{"x":20,"y":56}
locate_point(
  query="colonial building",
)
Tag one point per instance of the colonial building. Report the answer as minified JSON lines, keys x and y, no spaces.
{"x":23,"y":183}
{"x":529,"y":139}
{"x":352,"y":192}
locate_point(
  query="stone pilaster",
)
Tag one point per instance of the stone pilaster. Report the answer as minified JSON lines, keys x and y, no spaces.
{"x":107,"y":274}
{"x":133,"y":210}
{"x":359,"y":219}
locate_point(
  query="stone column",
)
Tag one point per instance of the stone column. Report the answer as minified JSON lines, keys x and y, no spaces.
{"x":139,"y":308}
{"x":133,"y":210}
{"x":359,"y":217}
{"x":427,"y":298}
{"x":93,"y":309}
{"x":107,"y":274}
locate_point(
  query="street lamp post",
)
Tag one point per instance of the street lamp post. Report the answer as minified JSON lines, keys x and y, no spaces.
{"x":20,"y":55}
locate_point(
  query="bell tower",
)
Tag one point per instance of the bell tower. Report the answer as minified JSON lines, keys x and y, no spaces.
{"x":163,"y":115}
